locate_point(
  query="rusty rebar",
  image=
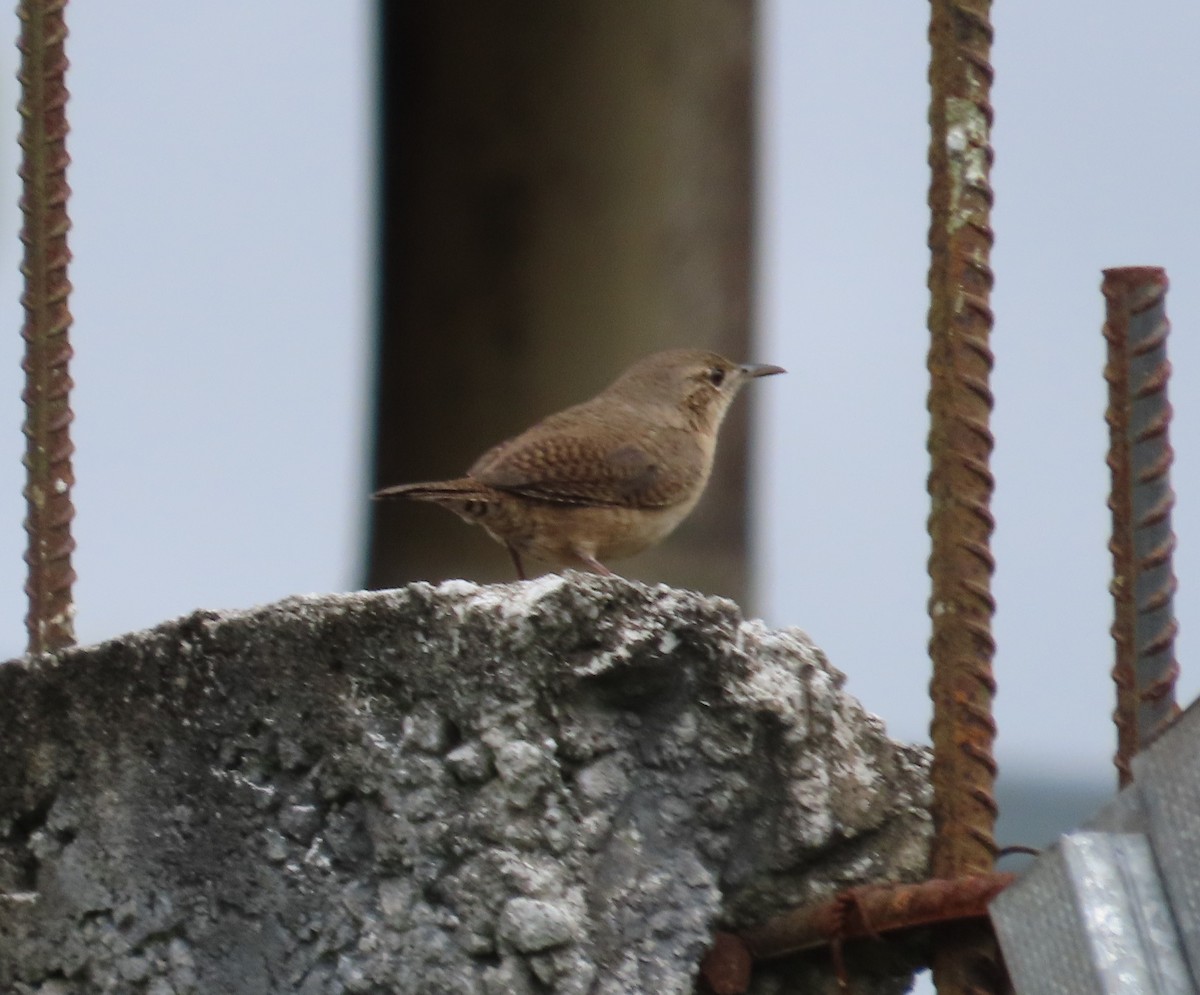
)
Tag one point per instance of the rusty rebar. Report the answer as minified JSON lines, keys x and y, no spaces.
{"x":960,"y":481}
{"x":873,"y":910}
{"x":1139,"y":456}
{"x":857,"y":913}
{"x":48,"y":449}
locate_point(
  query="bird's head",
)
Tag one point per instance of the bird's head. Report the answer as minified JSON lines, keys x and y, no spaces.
{"x":698,"y":382}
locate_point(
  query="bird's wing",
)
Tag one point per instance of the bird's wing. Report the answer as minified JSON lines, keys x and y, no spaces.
{"x":575,"y":466}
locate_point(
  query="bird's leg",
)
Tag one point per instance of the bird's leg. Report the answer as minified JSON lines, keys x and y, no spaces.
{"x":595,"y":565}
{"x":516,"y":558}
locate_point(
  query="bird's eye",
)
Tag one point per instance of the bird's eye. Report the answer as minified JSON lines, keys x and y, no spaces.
{"x":716,"y":376}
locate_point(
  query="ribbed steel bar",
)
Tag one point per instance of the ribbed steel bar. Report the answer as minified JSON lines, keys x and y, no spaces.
{"x":873,"y":910}
{"x":1139,"y":456}
{"x":48,"y":449}
{"x":960,"y":481}
{"x":868,"y":911}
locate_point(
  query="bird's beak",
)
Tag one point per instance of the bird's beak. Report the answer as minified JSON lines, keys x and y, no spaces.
{"x":750,"y":370}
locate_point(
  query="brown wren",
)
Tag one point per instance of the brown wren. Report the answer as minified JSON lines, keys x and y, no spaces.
{"x":606,"y":478}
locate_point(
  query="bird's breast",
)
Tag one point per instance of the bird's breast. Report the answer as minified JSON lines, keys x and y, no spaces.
{"x":631,"y":530}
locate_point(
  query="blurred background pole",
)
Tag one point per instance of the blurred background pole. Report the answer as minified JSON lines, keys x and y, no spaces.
{"x":565,"y":188}
{"x":961,"y":647}
{"x":1143,"y":544}
{"x":50,"y":620}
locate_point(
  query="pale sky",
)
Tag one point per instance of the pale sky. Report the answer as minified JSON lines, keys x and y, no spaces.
{"x":223,"y":265}
{"x":1095,"y":167}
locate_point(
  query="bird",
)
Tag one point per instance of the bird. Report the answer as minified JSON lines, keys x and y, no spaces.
{"x":604,"y":479}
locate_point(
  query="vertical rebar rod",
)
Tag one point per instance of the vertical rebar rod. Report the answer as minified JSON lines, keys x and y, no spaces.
{"x":1139,"y":456}
{"x":960,"y":481}
{"x":50,"y":620}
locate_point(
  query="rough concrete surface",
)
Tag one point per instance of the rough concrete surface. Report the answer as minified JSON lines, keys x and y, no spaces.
{"x":562,"y":785}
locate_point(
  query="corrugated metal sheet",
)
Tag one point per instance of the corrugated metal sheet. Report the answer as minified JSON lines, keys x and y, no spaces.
{"x":1115,"y":907}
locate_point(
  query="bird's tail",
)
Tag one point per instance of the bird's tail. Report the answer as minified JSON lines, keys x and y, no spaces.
{"x":438,"y":491}
{"x":467,"y":498}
